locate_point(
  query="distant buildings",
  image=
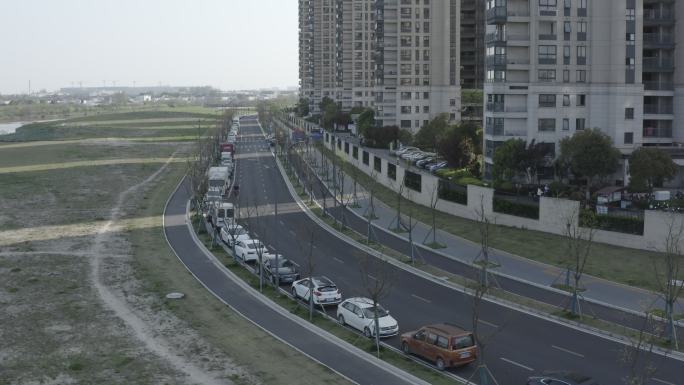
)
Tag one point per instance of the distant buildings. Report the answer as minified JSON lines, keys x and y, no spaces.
{"x":399,"y":57}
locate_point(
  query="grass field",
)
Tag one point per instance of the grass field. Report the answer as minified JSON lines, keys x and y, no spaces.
{"x":61,"y":210}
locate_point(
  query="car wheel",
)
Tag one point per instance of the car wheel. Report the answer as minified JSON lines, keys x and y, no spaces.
{"x":340,"y":319}
{"x":405,"y":348}
{"x":367,"y":332}
{"x":440,"y":364}
{"x":294,"y":293}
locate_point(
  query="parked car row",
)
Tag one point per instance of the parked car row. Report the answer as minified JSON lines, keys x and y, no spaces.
{"x":444,"y":344}
{"x":425,"y":160}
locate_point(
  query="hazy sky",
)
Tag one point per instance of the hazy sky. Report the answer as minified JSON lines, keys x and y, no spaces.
{"x":229,"y":44}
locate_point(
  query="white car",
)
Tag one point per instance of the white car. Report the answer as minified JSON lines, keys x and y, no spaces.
{"x":404,"y":150}
{"x":248,"y":250}
{"x":234,"y":233}
{"x":324,"y":290}
{"x":359,"y":313}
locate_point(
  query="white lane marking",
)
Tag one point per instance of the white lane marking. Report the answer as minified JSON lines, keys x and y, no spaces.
{"x":517,"y":364}
{"x":293,"y":233}
{"x":281,"y":223}
{"x":661,"y":381}
{"x":488,"y":323}
{"x":421,"y":298}
{"x":371,"y":277}
{"x":568,"y":351}
{"x":338,"y":260}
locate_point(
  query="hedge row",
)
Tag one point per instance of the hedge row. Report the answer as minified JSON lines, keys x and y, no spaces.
{"x":504,"y":206}
{"x":627,"y":225}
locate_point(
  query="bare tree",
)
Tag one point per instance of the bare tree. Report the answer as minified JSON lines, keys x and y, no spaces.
{"x":668,"y":275}
{"x":434,"y":199}
{"x":198,"y":185}
{"x":370,"y":210}
{"x":397,"y":221}
{"x":484,"y":228}
{"x":377,"y":278}
{"x":578,"y":242}
{"x":482,"y":339}
{"x":638,"y":355}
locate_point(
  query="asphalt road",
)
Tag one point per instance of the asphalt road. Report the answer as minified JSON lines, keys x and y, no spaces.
{"x":554,"y":298}
{"x":326,"y":352}
{"x":518,"y":345}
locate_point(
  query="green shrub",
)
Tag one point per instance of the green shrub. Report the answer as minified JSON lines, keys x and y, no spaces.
{"x":452,"y":193}
{"x":469,"y":180}
{"x":627,"y":225}
{"x":517,"y":209}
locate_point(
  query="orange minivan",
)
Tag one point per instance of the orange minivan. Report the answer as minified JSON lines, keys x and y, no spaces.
{"x":444,"y":344}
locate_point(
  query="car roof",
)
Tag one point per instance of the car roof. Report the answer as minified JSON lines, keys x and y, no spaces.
{"x":447,"y":328}
{"x":361,"y":302}
{"x":322,"y":281}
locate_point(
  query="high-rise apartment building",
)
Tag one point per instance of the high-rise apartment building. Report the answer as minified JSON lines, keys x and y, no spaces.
{"x":472,"y":44}
{"x":555,"y":67}
{"x":400,"y":57}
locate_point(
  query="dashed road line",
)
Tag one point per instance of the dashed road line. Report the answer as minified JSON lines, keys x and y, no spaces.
{"x":568,"y":351}
{"x":371,"y":277}
{"x":661,"y":381}
{"x":517,"y":364}
{"x":488,"y":323}
{"x":338,"y":260}
{"x":421,"y":298}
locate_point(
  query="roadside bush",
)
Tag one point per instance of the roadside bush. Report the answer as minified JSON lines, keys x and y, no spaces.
{"x":627,"y":225}
{"x":469,"y":180}
{"x":453,"y":173}
{"x":517,"y":209}
{"x":451,"y":192}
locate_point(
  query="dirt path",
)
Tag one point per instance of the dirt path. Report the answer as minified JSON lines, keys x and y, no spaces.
{"x":118,"y":305}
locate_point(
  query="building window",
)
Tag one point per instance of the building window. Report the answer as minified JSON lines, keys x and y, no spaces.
{"x":547,"y":54}
{"x":581,"y":100}
{"x":405,"y":124}
{"x":629,"y":113}
{"x":405,"y":109}
{"x":629,"y":138}
{"x":566,"y":76}
{"x":355,"y":152}
{"x":547,"y":75}
{"x":566,"y":55}
{"x":547,"y":125}
{"x":581,"y":55}
{"x":581,"y":76}
{"x":392,"y":171}
{"x":566,"y":100}
{"x":566,"y":124}
{"x":413,"y":180}
{"x":581,"y":30}
{"x":426,"y":109}
{"x":346,"y":148}
{"x":580,"y":124}
{"x":547,"y":100}
{"x":366,"y":158}
{"x":377,"y":164}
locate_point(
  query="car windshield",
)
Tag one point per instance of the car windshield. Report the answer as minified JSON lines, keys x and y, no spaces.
{"x":462,"y":342}
{"x":285,"y":263}
{"x":369,"y":312}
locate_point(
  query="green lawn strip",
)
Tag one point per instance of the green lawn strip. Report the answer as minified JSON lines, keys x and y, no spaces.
{"x":297,"y":308}
{"x":628,"y":266}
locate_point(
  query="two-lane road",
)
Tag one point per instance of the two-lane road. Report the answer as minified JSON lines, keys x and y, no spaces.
{"x":521,"y":345}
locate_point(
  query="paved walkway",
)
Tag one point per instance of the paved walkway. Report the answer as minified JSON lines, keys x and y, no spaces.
{"x":540,"y":274}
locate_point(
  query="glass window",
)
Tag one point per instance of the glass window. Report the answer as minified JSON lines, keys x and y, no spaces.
{"x":547,"y":75}
{"x":547,"y":100}
{"x":566,"y":76}
{"x":566,"y":124}
{"x":581,"y":100}
{"x":566,"y":100}
{"x":547,"y":125}
{"x":581,"y":76}
{"x":629,"y":138}
{"x":580,"y":124}
{"x":629,"y":113}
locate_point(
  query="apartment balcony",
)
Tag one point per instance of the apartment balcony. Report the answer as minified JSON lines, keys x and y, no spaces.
{"x":654,"y":17}
{"x":496,"y":60}
{"x":658,"y":86}
{"x":548,"y":10}
{"x":655,"y":109}
{"x":657,"y":133}
{"x":657,"y":40}
{"x":655,"y":64}
{"x":497,"y":15}
{"x":548,"y":36}
{"x":501,"y":107}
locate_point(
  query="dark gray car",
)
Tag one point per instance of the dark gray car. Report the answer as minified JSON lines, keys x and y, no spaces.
{"x":561,"y":378}
{"x":286,"y":270}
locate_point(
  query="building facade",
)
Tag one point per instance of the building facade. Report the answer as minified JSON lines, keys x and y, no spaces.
{"x":399,"y":57}
{"x":555,"y":67}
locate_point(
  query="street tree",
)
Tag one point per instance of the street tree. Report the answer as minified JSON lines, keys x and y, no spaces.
{"x":457,"y":149}
{"x":579,"y":240}
{"x":428,"y":136}
{"x":303,"y":107}
{"x":589,"y":154}
{"x":329,"y":111}
{"x":649,"y":167}
{"x":377,"y":278}
{"x":668,"y":275}
{"x":365,"y":121}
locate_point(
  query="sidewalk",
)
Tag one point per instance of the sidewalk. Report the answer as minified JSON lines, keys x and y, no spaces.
{"x":598,"y":290}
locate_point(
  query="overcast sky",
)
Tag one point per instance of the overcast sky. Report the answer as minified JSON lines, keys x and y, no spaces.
{"x":229,"y":44}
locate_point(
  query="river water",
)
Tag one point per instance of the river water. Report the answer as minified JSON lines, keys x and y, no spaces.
{"x":9,"y":128}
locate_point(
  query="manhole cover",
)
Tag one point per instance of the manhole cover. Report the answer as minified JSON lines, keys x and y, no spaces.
{"x":175,"y":295}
